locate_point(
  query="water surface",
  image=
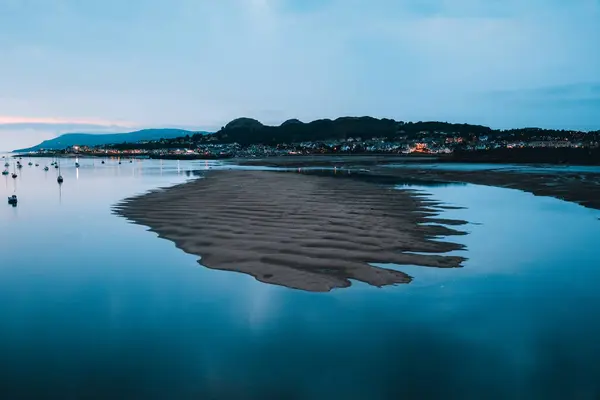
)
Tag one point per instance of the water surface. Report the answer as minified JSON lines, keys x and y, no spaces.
{"x":521,"y":168}
{"x":95,"y":307}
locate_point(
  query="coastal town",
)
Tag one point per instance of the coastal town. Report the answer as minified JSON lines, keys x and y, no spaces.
{"x":435,"y":143}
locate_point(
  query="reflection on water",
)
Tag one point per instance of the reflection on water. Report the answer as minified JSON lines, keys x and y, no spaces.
{"x":523,"y":168}
{"x":361,"y":175}
{"x":93,"y":306}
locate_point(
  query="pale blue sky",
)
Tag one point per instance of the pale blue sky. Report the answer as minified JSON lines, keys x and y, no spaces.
{"x":91,"y":65}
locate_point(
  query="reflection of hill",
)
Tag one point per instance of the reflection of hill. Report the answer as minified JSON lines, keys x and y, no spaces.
{"x":576,"y":156}
{"x":578,"y":187}
{"x":380,"y":179}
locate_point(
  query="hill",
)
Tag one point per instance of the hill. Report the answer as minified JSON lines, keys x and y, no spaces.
{"x":89,"y":139}
{"x":246,"y":131}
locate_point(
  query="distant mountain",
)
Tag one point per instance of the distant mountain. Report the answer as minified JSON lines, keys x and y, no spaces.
{"x":89,"y":139}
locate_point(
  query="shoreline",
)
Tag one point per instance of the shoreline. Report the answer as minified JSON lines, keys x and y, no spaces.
{"x":75,"y":155}
{"x":575,"y":187}
{"x":473,"y":157}
{"x":582,"y":188}
{"x":313,"y":233}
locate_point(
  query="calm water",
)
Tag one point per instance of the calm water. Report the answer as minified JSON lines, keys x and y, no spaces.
{"x":522,"y":168}
{"x":95,"y":307}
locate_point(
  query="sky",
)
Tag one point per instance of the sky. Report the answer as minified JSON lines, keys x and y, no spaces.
{"x":115,"y":66}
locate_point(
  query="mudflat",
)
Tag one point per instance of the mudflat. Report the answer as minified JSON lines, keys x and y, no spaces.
{"x":578,"y":187}
{"x":314,"y":233}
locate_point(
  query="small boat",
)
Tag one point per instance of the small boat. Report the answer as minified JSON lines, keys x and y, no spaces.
{"x":76,"y":165}
{"x":46,"y":168}
{"x":55,"y":165}
{"x":119,"y":162}
{"x":37,"y":165}
{"x":60,"y":178}
{"x":6,"y":164}
{"x":30,"y":163}
{"x":12,"y":200}
{"x":14,"y":175}
{"x":19,"y":165}
{"x":130,"y":161}
{"x":102,"y":161}
{"x":5,"y":172}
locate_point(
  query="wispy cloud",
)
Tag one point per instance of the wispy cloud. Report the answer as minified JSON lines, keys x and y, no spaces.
{"x":202,"y":63}
{"x":95,"y":122}
{"x":569,"y":106}
{"x":575,"y":91}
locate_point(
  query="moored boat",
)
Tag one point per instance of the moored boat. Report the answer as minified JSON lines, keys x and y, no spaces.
{"x":12,"y":200}
{"x":60,"y":178}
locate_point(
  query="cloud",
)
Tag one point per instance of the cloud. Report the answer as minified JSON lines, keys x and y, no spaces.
{"x":202,"y":63}
{"x":571,"y":106}
{"x":6,"y":120}
{"x":576,"y":91}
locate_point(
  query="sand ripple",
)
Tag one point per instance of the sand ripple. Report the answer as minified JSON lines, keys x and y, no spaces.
{"x":306,"y":232}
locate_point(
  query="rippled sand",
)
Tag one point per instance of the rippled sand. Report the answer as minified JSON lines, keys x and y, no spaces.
{"x":306,"y":232}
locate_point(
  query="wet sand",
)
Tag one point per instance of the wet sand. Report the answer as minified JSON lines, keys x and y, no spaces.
{"x":579,"y":187}
{"x":314,"y":233}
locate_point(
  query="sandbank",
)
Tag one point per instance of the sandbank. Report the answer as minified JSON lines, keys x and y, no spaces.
{"x":314,"y":233}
